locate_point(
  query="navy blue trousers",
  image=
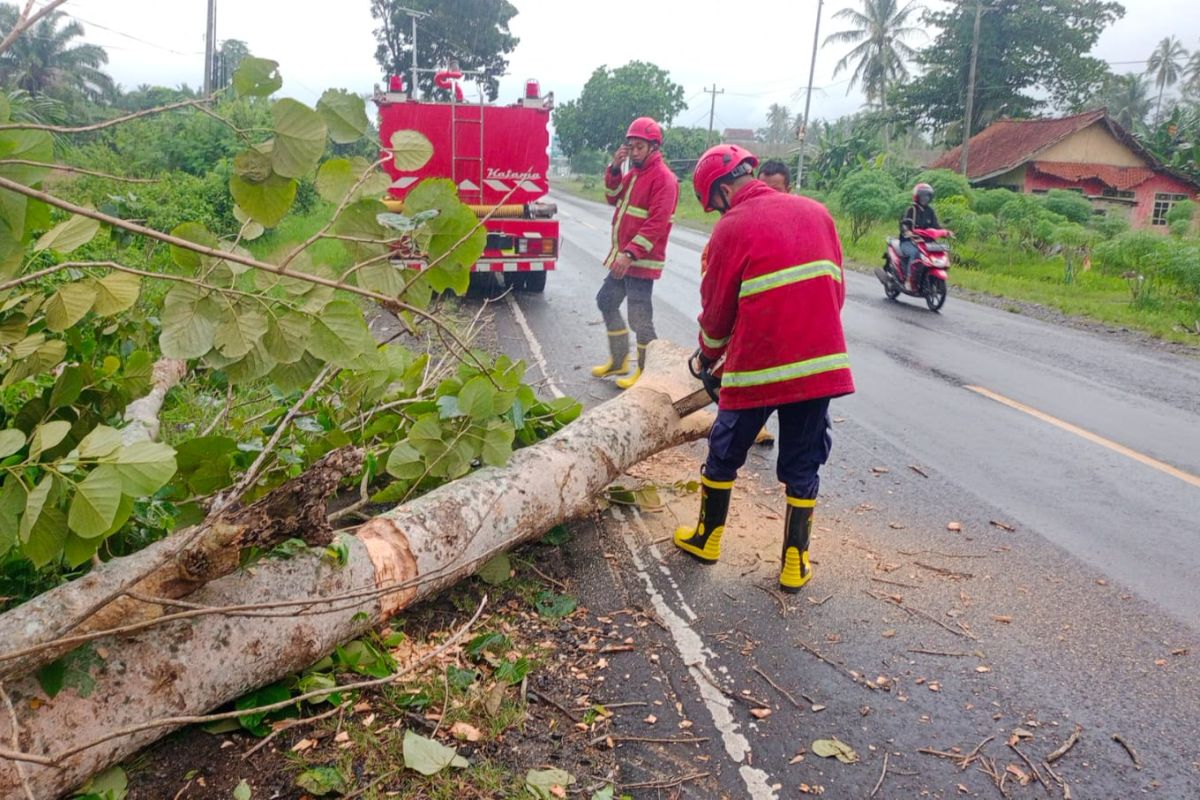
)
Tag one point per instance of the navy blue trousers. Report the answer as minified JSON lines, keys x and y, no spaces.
{"x":804,"y":443}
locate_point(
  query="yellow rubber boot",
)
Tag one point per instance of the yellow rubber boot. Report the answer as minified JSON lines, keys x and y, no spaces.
{"x":796,"y":570}
{"x":703,"y":542}
{"x":618,"y":359}
{"x":625,"y":383}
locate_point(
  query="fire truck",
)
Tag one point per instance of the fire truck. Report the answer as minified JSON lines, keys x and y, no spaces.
{"x":498,"y":157}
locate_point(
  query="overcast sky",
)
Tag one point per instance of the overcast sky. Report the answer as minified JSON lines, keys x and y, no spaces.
{"x":562,"y":42}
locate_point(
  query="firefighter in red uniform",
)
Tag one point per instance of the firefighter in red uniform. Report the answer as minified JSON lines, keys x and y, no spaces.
{"x":771,"y":303}
{"x":645,"y":199}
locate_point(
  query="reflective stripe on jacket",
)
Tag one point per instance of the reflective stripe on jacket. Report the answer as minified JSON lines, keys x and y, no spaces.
{"x":771,"y":299}
{"x":645,"y":199}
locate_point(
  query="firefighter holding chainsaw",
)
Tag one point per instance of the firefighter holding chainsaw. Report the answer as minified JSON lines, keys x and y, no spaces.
{"x":771,"y":301}
{"x":645,"y":198}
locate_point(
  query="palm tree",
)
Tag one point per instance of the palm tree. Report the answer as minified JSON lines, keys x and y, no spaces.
{"x":879,"y":31}
{"x":1191,"y":74}
{"x":45,"y":60}
{"x":1127,"y":98}
{"x":1165,"y":65}
{"x":779,"y":124}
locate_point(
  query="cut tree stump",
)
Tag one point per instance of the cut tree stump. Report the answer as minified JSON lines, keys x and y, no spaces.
{"x":185,"y":668}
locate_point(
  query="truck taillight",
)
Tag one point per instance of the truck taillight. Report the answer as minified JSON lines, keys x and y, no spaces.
{"x":537,"y":246}
{"x":395,"y":83}
{"x":533,"y":89}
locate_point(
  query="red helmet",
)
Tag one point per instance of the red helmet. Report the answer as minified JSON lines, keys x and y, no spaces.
{"x":718,"y":162}
{"x":923,"y":189}
{"x":645,"y":128}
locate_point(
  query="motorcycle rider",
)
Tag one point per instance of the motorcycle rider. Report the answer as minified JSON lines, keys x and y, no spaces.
{"x":919,"y":215}
{"x":645,"y":199}
{"x":771,"y":302}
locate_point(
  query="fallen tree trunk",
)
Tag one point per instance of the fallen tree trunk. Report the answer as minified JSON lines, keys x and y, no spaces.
{"x":182,"y":668}
{"x":171,"y":568}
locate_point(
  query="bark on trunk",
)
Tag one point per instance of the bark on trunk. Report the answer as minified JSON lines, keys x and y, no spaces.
{"x":188,"y":667}
{"x":173,"y":567}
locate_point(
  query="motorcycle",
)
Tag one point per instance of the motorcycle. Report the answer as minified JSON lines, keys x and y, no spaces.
{"x":926,"y":272}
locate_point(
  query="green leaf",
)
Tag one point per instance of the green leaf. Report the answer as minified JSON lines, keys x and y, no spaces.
{"x":557,"y":536}
{"x":297,"y":375}
{"x":477,"y":398}
{"x":242,"y":790}
{"x":101,"y":441}
{"x":240,"y":331}
{"x":287,"y":336}
{"x":496,"y":643}
{"x":266,"y":202}
{"x":513,"y":672}
{"x":189,"y":321}
{"x":12,"y":503}
{"x":47,"y":436}
{"x":72,"y":670}
{"x":116,"y":292}
{"x":338,"y":176}
{"x":96,"y":500}
{"x":68,"y":387}
{"x":497,"y":570}
{"x":11,"y":439}
{"x":251,"y":230}
{"x":35,"y":505}
{"x":44,"y":543}
{"x":257,"y":77}
{"x":299,"y":138}
{"x":320,"y":781}
{"x":345,"y":115}
{"x":548,"y":784}
{"x":833,"y":748}
{"x":461,"y":679}
{"x":603,"y":794}
{"x":64,"y":237}
{"x":429,"y":757}
{"x":410,"y":150}
{"x":385,"y":278}
{"x":361,"y":220}
{"x":197,"y":234}
{"x":112,"y":784}
{"x":69,"y":304}
{"x":497,"y":444}
{"x":554,"y":605}
{"x":340,"y":333}
{"x":145,"y":467}
{"x":253,"y":165}
{"x":405,"y":462}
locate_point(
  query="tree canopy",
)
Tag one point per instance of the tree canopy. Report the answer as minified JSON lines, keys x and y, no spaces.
{"x":610,"y":100}
{"x":1031,"y":56}
{"x":474,"y":33}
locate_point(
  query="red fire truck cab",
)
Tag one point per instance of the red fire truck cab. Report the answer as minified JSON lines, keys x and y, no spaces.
{"x":496,"y":156}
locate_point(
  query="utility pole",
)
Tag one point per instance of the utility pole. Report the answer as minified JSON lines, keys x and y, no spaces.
{"x":812,"y":69}
{"x":962,"y":166}
{"x":210,"y":47}
{"x":712,"y":112}
{"x":413,"y":15}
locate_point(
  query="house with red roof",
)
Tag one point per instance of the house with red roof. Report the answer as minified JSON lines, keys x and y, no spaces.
{"x":1087,"y":153}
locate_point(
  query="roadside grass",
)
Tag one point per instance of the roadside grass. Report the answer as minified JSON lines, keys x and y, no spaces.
{"x":995,"y":270}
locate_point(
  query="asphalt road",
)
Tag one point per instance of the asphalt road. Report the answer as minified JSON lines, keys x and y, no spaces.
{"x":1086,"y":612}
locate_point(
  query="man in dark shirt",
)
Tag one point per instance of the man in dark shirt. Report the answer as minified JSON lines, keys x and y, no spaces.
{"x":919,"y":215}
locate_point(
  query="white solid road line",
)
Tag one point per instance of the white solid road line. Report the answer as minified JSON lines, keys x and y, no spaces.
{"x":695,"y":655}
{"x":535,"y":347}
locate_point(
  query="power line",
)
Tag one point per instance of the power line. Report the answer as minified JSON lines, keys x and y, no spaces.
{"x":712,"y":110}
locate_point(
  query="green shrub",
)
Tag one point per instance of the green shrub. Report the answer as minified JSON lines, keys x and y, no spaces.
{"x":1071,"y":205}
{"x":866,"y":197}
{"x":990,"y":201}
{"x":1110,"y":227}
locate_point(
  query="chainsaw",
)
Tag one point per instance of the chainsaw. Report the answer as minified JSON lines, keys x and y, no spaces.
{"x":707,"y":375}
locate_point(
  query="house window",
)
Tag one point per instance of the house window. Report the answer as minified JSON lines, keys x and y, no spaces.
{"x":1162,"y":206}
{"x":1119,"y":194}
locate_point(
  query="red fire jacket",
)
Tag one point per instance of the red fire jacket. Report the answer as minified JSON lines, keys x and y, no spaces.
{"x":645,"y":199}
{"x":771,"y":301}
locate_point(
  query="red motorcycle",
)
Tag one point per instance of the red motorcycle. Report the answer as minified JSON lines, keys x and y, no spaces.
{"x":926,"y":272}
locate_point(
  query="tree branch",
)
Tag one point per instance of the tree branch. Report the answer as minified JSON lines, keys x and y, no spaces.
{"x":25,"y":22}
{"x":98,"y":126}
{"x":69,"y":168}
